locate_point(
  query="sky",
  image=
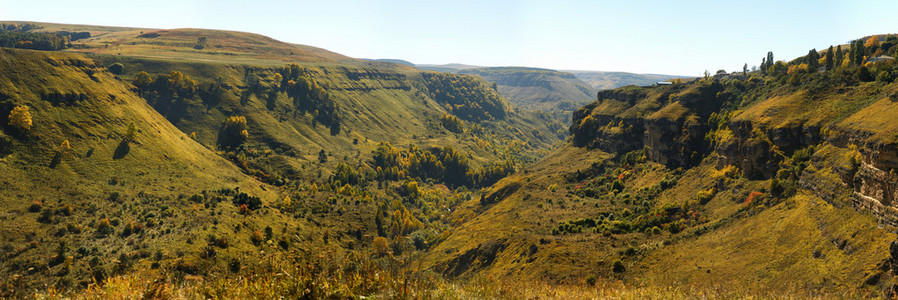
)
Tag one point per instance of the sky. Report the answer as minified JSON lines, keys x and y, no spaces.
{"x":660,"y":37}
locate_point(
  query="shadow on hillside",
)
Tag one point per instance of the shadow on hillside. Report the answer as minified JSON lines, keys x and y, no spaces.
{"x":122,"y":150}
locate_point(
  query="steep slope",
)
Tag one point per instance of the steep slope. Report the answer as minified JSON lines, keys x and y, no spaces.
{"x":609,"y":80}
{"x":535,"y":88}
{"x":779,"y":181}
{"x":78,"y":172}
{"x":234,"y":161}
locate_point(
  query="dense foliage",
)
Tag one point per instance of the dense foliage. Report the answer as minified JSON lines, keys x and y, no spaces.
{"x":444,"y":164}
{"x":465,"y":96}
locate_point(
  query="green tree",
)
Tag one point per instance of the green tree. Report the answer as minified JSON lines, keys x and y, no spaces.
{"x":812,"y":59}
{"x":143,"y":80}
{"x":828,"y":60}
{"x":131,"y":134}
{"x":764,"y":66}
{"x":770,"y":59}
{"x":116,"y":68}
{"x":840,"y":56}
{"x":745,"y":69}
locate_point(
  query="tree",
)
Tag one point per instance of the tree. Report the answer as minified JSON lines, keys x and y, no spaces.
{"x":116,"y":68}
{"x":322,"y":156}
{"x":864,"y":74}
{"x":131,"y":134}
{"x":381,"y":246}
{"x":143,"y":80}
{"x":840,"y":56}
{"x":65,"y":147}
{"x":872,"y":43}
{"x":763,"y":66}
{"x":770,"y":59}
{"x":745,"y":69}
{"x":234,"y":133}
{"x":859,"y":52}
{"x":20,"y":118}
{"x":828,"y":60}
{"x":812,"y":59}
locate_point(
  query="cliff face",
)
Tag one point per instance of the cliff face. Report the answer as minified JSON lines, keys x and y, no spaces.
{"x":679,"y":126}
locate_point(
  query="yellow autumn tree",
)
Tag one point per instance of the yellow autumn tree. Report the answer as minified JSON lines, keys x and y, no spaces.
{"x":20,"y":118}
{"x":65,"y":147}
{"x":873,"y":41}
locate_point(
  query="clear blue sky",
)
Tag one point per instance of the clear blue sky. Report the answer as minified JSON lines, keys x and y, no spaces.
{"x":668,"y":37}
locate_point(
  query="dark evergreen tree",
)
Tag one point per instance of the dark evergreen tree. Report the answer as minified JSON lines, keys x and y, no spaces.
{"x":763,"y":66}
{"x":828,"y":61}
{"x":812,"y":60}
{"x":860,"y":53}
{"x":839,"y":56}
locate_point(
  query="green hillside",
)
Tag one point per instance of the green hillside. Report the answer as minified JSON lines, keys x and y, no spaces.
{"x":235,"y":157}
{"x":193,"y":163}
{"x":536,"y":88}
{"x":769,"y":183}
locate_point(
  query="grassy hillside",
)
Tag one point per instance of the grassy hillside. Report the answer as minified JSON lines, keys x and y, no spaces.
{"x":536,"y":88}
{"x":776,"y":181}
{"x":609,"y":80}
{"x":235,"y":158}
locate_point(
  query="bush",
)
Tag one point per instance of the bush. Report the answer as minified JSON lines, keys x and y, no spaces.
{"x":704,"y":196}
{"x":381,"y":246}
{"x":104,"y":227}
{"x":256,"y":238}
{"x":234,"y":132}
{"x":35,"y":206}
{"x":20,"y":118}
{"x":116,"y":68}
{"x":618,"y":266}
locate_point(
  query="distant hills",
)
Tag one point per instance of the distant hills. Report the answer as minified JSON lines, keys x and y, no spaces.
{"x":609,"y":80}
{"x":536,"y":88}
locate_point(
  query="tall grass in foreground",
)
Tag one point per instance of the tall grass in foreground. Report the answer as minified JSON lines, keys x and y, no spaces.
{"x":349,"y":277}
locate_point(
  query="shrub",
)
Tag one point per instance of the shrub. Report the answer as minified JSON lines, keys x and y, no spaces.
{"x":131,"y":133}
{"x":20,"y":118}
{"x":234,"y":132}
{"x":704,"y":196}
{"x":116,"y":68}
{"x":35,"y":206}
{"x":452,"y":123}
{"x":65,"y":147}
{"x":104,"y":227}
{"x":618,"y":266}
{"x":256,"y":238}
{"x":381,"y":246}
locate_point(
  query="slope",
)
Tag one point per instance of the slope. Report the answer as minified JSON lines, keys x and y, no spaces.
{"x":776,"y":182}
{"x":234,"y":161}
{"x":535,"y":88}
